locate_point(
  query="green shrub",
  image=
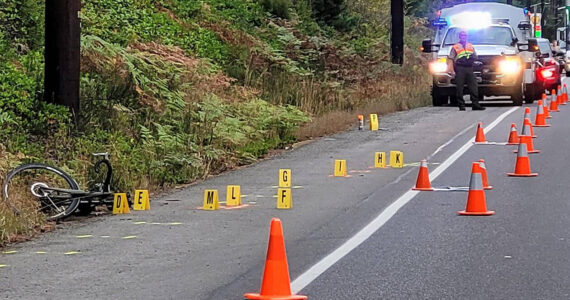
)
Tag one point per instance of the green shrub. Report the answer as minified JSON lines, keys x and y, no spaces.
{"x":328,"y":11}
{"x":279,"y":8}
{"x":23,"y":22}
{"x":128,"y":21}
{"x":307,"y":25}
{"x":346,"y":22}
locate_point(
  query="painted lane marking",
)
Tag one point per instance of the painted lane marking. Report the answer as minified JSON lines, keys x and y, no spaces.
{"x":332,"y":258}
{"x":84,"y":236}
{"x":71,"y":253}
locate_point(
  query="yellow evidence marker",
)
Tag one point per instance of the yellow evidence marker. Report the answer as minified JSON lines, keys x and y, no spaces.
{"x":284,"y":199}
{"x":396,"y":159}
{"x":340,"y":168}
{"x":285,"y":178}
{"x":374,"y":122}
{"x":211,"y":201}
{"x":120,"y":204}
{"x":380,"y":160}
{"x":141,"y":200}
{"x":233,"y":195}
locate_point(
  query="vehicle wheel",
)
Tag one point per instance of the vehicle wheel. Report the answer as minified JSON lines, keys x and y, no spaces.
{"x":517,"y":96}
{"x":567,"y":74}
{"x":437,"y":98}
{"x":529,"y":94}
{"x":22,"y":191}
{"x":452,"y":100}
{"x":84,"y":210}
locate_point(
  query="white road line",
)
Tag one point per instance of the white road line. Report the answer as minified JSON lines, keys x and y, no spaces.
{"x":328,"y":261}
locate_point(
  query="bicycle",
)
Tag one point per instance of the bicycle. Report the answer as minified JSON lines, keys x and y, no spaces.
{"x":43,"y":188}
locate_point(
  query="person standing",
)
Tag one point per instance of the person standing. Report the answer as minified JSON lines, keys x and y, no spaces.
{"x":463,"y":56}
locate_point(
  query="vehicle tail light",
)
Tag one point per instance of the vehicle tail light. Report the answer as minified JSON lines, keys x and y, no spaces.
{"x":547,"y":73}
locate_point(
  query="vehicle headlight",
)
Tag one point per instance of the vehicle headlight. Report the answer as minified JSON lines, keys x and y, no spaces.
{"x":509,"y":66}
{"x":438,"y":66}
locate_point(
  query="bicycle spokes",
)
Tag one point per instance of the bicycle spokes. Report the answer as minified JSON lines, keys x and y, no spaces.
{"x":34,"y":191}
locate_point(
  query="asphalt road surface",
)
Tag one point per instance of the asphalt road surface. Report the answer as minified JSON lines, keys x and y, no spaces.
{"x":361,"y":237}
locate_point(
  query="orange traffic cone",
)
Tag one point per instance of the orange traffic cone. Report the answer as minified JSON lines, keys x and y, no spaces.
{"x":527,"y":140}
{"x":528,"y":130}
{"x":423,"y":184}
{"x":486,"y":185}
{"x":540,"y":120}
{"x":513,"y":136}
{"x":480,"y":136}
{"x":476,"y":205}
{"x":545,"y":106}
{"x":275,"y":284}
{"x":560,"y":96}
{"x":526,"y":113}
{"x":565,"y":93}
{"x":522,"y":166}
{"x":553,"y":102}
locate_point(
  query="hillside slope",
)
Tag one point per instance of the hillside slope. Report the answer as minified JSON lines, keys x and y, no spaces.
{"x":177,"y":90}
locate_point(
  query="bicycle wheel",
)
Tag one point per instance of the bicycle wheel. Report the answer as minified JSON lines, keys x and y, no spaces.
{"x":33,"y":189}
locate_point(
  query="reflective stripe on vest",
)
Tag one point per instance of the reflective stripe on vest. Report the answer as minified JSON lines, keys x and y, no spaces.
{"x":463,"y":52}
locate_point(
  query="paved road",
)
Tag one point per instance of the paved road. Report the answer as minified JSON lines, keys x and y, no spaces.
{"x":176,"y":251}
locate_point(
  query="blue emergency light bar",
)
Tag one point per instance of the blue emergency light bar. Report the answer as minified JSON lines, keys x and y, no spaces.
{"x":440,"y":22}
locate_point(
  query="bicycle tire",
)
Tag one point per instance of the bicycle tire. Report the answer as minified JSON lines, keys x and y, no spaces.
{"x":70,"y":209}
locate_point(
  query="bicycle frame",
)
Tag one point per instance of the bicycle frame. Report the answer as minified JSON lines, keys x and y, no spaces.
{"x":100,"y":194}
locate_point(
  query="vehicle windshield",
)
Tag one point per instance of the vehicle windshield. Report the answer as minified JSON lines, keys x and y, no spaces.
{"x":494,"y":35}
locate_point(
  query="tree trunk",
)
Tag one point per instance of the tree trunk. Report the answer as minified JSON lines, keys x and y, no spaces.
{"x":62,"y":53}
{"x":397,"y":35}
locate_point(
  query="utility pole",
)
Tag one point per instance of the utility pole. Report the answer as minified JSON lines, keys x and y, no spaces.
{"x":542,"y":12}
{"x":566,"y":21}
{"x":397,"y":35}
{"x":555,"y":8}
{"x":62,"y":53}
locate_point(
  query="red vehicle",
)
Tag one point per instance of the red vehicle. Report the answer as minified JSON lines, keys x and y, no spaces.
{"x":547,"y":67}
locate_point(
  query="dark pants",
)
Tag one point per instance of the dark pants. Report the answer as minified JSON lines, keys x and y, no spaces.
{"x":465,"y":75}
